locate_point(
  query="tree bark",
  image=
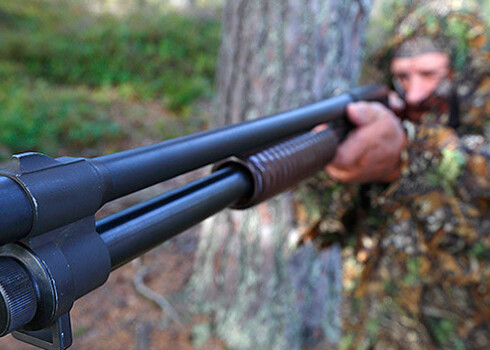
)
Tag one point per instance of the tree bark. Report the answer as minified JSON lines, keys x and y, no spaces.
{"x":262,"y":290}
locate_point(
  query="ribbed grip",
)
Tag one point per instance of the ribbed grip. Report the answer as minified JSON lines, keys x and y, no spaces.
{"x":285,"y":164}
{"x":18,"y":299}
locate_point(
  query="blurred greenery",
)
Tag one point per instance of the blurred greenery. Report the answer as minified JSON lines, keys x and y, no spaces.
{"x":37,"y":116}
{"x":57,"y":56}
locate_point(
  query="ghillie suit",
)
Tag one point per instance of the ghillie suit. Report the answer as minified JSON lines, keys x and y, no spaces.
{"x":416,"y":251}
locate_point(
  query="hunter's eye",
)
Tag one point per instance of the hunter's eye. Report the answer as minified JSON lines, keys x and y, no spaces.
{"x":428,"y":74}
{"x":402,"y":76}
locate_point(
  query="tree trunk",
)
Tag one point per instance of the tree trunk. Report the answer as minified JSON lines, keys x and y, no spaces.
{"x":263,"y":291}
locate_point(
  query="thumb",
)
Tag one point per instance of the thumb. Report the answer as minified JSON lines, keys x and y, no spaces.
{"x":395,"y":102}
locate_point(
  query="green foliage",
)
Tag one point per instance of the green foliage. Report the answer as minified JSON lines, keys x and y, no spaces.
{"x":64,"y":67}
{"x":442,"y":330}
{"x":449,"y":169}
{"x":347,"y":341}
{"x":480,"y":251}
{"x":373,"y":327}
{"x":35,"y":116}
{"x":200,"y":334}
{"x":412,"y":276}
{"x":146,"y":55}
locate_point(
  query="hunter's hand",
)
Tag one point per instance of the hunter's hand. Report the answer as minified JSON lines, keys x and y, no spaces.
{"x":371,"y":152}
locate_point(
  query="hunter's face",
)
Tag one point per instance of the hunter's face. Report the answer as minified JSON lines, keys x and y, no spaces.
{"x":418,"y":77}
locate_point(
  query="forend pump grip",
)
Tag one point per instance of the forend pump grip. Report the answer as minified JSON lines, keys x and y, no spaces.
{"x":282,"y":165}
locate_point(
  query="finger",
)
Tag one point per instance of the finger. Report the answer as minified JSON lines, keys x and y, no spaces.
{"x":395,"y":102}
{"x":341,"y":175}
{"x":365,"y":113}
{"x":349,"y":152}
{"x":356,"y":145}
{"x":320,"y":127}
{"x":375,"y":142}
{"x":364,"y":174}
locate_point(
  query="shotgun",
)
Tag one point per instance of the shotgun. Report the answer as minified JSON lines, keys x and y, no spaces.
{"x":53,"y":251}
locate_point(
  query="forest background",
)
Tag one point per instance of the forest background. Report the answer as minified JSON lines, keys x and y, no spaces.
{"x":85,"y":78}
{"x":88,"y":77}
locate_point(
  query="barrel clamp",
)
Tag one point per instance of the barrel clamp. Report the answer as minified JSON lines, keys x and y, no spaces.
{"x":57,"y":262}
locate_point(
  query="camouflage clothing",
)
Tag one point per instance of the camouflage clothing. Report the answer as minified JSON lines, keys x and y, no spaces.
{"x":424,"y":281}
{"x":417,"y":275}
{"x":421,"y":275}
{"x":417,"y":251}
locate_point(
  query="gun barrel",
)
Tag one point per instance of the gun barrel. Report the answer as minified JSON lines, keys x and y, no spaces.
{"x":112,"y":176}
{"x":133,"y":231}
{"x":15,"y":211}
{"x":139,"y":168}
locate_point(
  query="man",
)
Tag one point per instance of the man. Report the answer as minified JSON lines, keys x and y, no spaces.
{"x":423,"y":239}
{"x":421,"y":75}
